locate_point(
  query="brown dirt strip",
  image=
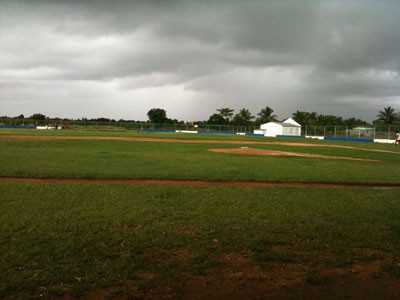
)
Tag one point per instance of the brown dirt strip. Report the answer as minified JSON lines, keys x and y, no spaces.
{"x":253,"y":151}
{"x":166,"y":140}
{"x":194,"y":182}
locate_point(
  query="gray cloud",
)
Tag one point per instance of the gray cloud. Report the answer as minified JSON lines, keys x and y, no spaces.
{"x":329,"y":56}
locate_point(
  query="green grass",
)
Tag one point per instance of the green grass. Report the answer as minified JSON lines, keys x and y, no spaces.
{"x":134,"y":159}
{"x":131,"y":133}
{"x":65,"y":239}
{"x":68,"y":238}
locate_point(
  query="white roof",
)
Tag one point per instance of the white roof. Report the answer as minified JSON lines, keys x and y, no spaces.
{"x":291,"y":121}
{"x":286,"y":123}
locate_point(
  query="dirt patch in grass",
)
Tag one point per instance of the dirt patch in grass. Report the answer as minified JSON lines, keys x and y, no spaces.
{"x":254,"y":151}
{"x":239,"y":279}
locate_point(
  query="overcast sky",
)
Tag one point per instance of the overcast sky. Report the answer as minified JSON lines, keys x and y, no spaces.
{"x":118,"y":59}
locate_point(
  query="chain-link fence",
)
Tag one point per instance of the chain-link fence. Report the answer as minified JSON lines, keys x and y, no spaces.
{"x":121,"y":126}
{"x":376,"y":132}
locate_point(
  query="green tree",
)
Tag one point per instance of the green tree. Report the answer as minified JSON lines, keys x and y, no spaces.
{"x":157,"y":115}
{"x":352,"y":122}
{"x":226,"y":113}
{"x":387,"y":115}
{"x":306,"y":118}
{"x":300,"y":117}
{"x":329,"y":120}
{"x":38,"y":117}
{"x":266,"y":115}
{"x":243,"y":118}
{"x":216,"y":119}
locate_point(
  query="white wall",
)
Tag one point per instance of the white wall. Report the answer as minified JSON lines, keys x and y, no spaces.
{"x":259,"y":131}
{"x":273,"y":130}
{"x":296,"y":131}
{"x":384,"y":141}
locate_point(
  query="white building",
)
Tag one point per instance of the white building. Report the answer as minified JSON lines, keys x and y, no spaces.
{"x":287,"y":127}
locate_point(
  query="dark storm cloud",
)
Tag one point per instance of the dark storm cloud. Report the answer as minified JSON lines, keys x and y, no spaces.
{"x":236,"y":53}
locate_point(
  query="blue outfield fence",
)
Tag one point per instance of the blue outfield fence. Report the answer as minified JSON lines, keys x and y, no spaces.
{"x":17,"y":127}
{"x":215,"y":132}
{"x":291,"y":136}
{"x":158,"y":130}
{"x":254,"y":134}
{"x":338,"y":138}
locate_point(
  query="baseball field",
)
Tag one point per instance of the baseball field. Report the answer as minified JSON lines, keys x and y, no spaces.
{"x":123,"y":215}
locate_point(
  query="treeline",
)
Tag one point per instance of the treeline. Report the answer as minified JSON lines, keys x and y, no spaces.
{"x":227,"y":116}
{"x":244,"y":117}
{"x":44,"y":118}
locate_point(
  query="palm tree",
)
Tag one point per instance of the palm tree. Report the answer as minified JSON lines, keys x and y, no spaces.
{"x":244,"y":117}
{"x":387,"y":115}
{"x":265,"y":115}
{"x":306,"y":118}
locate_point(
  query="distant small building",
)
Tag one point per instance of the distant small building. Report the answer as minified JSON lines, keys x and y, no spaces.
{"x":273,"y":129}
{"x":362,"y":132}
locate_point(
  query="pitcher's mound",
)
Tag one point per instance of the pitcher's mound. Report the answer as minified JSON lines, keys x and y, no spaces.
{"x":254,"y":151}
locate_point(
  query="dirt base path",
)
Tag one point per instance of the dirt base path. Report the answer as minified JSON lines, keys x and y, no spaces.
{"x":138,"y":181}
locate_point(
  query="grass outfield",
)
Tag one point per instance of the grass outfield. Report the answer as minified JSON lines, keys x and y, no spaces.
{"x":66,"y":240}
{"x":173,"y":160}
